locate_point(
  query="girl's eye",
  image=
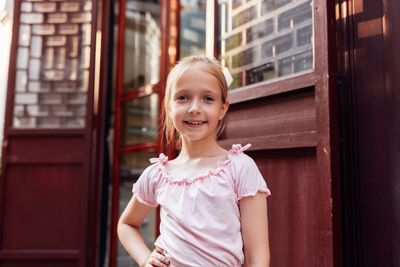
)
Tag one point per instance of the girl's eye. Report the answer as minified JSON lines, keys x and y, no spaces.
{"x":209,"y":99}
{"x":182,"y":98}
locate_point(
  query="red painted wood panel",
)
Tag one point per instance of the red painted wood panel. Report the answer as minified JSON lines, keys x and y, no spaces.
{"x":282,"y":114}
{"x":292,"y":125}
{"x":44,"y":203}
{"x":294,"y":206}
{"x":285,"y":120}
{"x":30,"y":263}
{"x":45,"y":148}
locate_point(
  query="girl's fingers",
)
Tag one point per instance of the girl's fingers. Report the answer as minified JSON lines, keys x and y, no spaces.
{"x":160,"y":250}
{"x":155,"y":262}
{"x":161,"y":258}
{"x":158,"y":258}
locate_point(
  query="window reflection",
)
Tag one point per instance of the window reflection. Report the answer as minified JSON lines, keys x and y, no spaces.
{"x":262,"y":40}
{"x":192,"y":28}
{"x":142,"y":44}
{"x":140,"y":120}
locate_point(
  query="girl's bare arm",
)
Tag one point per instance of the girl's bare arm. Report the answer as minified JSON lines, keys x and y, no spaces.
{"x":254,"y":218}
{"x":131,"y":238}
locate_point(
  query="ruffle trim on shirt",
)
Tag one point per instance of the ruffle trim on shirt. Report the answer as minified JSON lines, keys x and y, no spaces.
{"x":162,"y":160}
{"x":186,"y":181}
{"x":254,"y":192}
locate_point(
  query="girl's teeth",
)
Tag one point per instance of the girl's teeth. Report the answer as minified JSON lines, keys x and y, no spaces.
{"x":195,"y":123}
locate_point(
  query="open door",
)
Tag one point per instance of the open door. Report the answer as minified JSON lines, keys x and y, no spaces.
{"x":47,"y":188}
{"x":281,"y":54}
{"x":140,"y":73}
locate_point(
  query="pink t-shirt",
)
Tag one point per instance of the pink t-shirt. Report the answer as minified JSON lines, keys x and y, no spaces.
{"x":200,"y":218}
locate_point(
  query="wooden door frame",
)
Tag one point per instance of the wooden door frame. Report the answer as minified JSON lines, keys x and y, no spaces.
{"x":167,"y":42}
{"x":92,"y":133}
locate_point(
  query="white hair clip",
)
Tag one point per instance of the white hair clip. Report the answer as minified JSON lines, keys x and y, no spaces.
{"x":228,"y":76}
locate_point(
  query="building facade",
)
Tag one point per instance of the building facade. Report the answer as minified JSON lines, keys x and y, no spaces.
{"x":85,"y":90}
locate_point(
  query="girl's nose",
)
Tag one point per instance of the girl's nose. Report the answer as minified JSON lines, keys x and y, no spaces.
{"x":194,"y":107}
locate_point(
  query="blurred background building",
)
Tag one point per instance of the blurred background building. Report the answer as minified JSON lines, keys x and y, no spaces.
{"x":315,"y":91}
{"x":5,"y":33}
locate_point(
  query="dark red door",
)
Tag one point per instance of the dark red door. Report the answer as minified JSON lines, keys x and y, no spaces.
{"x":283,"y":103}
{"x":47,"y":186}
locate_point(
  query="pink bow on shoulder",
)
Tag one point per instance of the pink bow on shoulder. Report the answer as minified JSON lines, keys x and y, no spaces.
{"x":162,"y":159}
{"x":236,"y":149}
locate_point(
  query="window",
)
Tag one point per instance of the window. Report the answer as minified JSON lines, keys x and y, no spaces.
{"x":53,"y":59}
{"x":263,"y":40}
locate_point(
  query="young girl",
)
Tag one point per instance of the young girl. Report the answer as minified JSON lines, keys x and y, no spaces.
{"x":213,"y":201}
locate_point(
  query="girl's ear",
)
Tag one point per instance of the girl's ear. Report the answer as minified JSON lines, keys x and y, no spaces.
{"x":224,"y":109}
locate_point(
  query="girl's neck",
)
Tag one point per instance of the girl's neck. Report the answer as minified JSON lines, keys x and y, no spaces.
{"x":199,"y":149}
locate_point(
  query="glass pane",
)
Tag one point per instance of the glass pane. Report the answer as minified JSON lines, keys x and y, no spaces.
{"x":22,"y":60}
{"x":263,"y":40}
{"x":36,"y":46}
{"x":53,"y":64}
{"x":140,"y":120}
{"x":24,"y":35}
{"x":142,"y":44}
{"x":132,"y":165}
{"x":192,"y":28}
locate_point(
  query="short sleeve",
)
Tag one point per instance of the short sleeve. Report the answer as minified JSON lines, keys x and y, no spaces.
{"x":248,"y":179}
{"x":145,"y":188}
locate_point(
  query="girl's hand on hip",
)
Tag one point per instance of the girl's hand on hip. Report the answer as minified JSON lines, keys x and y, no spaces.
{"x":156,"y":259}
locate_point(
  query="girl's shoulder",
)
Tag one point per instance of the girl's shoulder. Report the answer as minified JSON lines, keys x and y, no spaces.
{"x":245,"y":174}
{"x":238,"y":158}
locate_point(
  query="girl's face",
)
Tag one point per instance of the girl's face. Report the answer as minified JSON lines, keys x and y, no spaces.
{"x":196,"y":105}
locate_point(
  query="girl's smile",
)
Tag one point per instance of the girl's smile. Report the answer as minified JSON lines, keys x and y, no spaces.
{"x":195,"y":124}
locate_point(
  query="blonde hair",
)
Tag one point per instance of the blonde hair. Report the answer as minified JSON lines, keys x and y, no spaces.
{"x":211,"y":66}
